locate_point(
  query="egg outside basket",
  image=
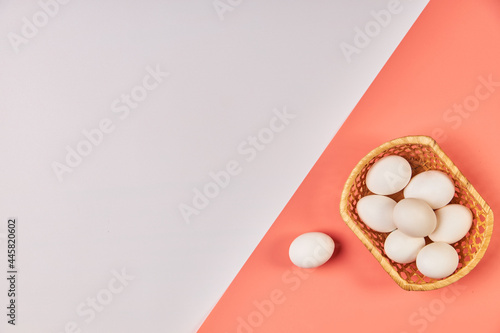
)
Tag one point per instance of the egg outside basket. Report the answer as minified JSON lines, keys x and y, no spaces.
{"x":423,"y":153}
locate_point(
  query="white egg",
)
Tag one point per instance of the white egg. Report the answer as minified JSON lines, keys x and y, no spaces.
{"x":311,"y":249}
{"x":437,"y":260}
{"x":376,"y":212}
{"x":432,"y":186}
{"x":388,"y":175}
{"x":402,"y":248}
{"x":453,"y":223}
{"x":414,"y":217}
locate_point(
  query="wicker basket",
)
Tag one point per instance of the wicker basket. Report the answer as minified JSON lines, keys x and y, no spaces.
{"x":423,"y":153}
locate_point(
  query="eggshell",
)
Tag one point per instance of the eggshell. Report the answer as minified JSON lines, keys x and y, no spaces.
{"x":432,"y":186}
{"x":376,"y":212}
{"x":453,"y":223}
{"x":437,"y":260}
{"x":388,"y":175}
{"x":414,"y":217}
{"x":402,"y":248}
{"x":311,"y":249}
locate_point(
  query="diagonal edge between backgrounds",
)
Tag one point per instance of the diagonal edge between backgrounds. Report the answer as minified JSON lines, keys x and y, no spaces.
{"x":400,"y":45}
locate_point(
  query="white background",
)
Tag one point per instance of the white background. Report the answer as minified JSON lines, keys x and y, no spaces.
{"x":119,"y":208}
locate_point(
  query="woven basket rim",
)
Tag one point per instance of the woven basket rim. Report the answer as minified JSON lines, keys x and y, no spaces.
{"x":384,"y":262}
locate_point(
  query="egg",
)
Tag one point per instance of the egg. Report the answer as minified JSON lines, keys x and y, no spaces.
{"x":414,"y":217}
{"x":437,"y":260}
{"x":453,"y":223}
{"x":432,"y":186}
{"x":311,"y":249}
{"x":388,"y":175}
{"x":402,"y":248}
{"x":376,"y":212}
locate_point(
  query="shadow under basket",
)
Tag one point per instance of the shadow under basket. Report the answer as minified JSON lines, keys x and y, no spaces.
{"x":423,"y":153}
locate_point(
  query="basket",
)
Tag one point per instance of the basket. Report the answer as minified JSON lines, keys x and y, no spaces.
{"x":423,"y":153}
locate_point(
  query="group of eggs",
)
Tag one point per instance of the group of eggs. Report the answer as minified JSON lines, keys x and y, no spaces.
{"x":425,"y":211}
